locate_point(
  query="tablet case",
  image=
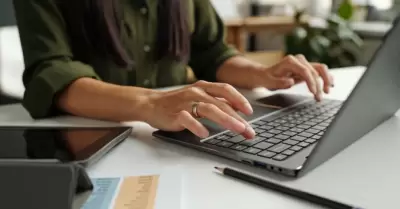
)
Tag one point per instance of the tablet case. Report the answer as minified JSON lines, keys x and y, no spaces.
{"x":32,"y":184}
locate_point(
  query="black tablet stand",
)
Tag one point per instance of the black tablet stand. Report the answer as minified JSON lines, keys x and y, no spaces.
{"x":33,"y":184}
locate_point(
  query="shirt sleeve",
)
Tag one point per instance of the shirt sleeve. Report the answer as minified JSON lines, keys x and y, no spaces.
{"x":49,"y":63}
{"x":208,"y":47}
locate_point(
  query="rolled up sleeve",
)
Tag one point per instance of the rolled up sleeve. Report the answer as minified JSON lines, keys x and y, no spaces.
{"x":208,"y":47}
{"x":49,"y":63}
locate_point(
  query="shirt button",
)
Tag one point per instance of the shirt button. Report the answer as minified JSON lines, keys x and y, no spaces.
{"x":146,"y":82}
{"x":143,"y":10}
{"x":147,"y":48}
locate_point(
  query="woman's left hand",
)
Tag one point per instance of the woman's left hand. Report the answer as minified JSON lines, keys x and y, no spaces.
{"x":295,"y":69}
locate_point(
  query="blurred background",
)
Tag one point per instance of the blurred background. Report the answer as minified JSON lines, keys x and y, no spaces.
{"x":339,"y":33}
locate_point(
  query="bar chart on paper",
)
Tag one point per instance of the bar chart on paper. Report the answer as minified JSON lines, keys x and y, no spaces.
{"x":135,"y":192}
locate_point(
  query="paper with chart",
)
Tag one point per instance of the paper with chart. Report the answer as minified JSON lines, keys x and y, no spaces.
{"x":136,"y":192}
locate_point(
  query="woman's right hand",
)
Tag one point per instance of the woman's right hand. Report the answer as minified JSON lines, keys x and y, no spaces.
{"x":218,"y":102}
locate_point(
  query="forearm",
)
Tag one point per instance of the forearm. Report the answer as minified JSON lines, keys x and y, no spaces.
{"x":95,"y":99}
{"x":240,"y":72}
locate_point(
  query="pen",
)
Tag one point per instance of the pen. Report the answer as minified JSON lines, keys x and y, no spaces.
{"x":285,"y":190}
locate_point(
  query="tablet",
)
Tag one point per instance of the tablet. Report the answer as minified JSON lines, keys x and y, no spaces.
{"x":65,"y":144}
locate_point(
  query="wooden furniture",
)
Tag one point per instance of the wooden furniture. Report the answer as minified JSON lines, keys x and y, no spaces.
{"x":238,"y":28}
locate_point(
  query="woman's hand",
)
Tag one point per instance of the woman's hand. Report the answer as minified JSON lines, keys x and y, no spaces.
{"x":176,"y":110}
{"x":295,"y":69}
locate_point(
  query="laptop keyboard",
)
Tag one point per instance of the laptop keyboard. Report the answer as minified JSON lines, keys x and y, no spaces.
{"x":279,"y":138}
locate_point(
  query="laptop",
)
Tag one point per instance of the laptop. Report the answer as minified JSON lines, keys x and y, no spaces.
{"x":81,"y":145}
{"x":302,"y":134}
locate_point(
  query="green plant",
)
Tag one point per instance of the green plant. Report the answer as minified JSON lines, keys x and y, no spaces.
{"x":335,"y":45}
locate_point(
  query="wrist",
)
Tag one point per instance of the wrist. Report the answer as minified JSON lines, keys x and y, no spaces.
{"x":141,"y":103}
{"x":258,"y":76}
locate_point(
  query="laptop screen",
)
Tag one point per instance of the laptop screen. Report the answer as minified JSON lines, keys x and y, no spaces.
{"x":64,"y":144}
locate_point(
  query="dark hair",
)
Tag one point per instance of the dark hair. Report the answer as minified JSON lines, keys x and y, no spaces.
{"x":96,"y":25}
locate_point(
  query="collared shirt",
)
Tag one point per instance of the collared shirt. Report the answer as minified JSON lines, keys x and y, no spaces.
{"x":51,"y":64}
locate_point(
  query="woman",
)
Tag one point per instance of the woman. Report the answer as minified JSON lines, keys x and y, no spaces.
{"x":102,"y":59}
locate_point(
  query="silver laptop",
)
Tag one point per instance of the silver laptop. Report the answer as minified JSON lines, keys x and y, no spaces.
{"x":301,"y":134}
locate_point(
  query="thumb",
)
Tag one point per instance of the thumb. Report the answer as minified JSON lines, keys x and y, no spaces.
{"x":281,"y":83}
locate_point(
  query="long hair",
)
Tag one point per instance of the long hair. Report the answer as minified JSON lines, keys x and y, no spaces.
{"x":96,"y":25}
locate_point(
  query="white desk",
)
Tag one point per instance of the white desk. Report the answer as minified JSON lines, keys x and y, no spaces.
{"x":365,"y":174}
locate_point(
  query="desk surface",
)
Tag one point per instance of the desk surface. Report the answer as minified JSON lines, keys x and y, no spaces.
{"x":365,"y":174}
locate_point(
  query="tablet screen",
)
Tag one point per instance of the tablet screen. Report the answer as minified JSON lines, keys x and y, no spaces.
{"x":64,"y":144}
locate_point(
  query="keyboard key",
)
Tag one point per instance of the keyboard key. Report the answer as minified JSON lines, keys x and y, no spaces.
{"x":298,"y":130}
{"x":223,"y":137}
{"x":230,"y":133}
{"x":288,"y":152}
{"x":274,"y":131}
{"x":267,"y":135}
{"x":321,"y":128}
{"x":280,"y":121}
{"x":304,"y":126}
{"x":296,"y":148}
{"x":263,"y":145}
{"x":279,"y":148}
{"x":266,"y":127}
{"x":259,"y":130}
{"x":313,"y":131}
{"x":267,"y":154}
{"x":291,"y":125}
{"x":298,"y":138}
{"x":225,"y":144}
{"x":282,"y":128}
{"x":289,"y":133}
{"x":236,"y":139}
{"x":213,"y":141}
{"x":291,"y":142}
{"x":281,"y":136}
{"x":251,"y":142}
{"x":273,"y":124}
{"x":260,"y":123}
{"x":298,"y":121}
{"x":274,"y":140}
{"x":252,"y":150}
{"x":316,"y":137}
{"x":315,"y":120}
{"x":303,"y":144}
{"x":310,"y":141}
{"x":321,"y":133}
{"x":280,"y":157}
{"x":238,"y":147}
{"x":254,"y":126}
{"x":306,"y":134}
{"x":310,"y":123}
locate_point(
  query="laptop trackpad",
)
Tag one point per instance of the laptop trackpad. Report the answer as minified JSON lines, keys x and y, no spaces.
{"x":279,"y":101}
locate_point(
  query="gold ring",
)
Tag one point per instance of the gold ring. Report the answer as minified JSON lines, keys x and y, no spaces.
{"x":194,"y":109}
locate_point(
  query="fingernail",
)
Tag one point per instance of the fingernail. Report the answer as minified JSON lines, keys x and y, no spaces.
{"x":204,"y":134}
{"x":251,"y":131}
{"x":238,"y":126}
{"x":249,"y":108}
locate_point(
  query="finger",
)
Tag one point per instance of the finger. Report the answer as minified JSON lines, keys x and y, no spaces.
{"x":187,"y":121}
{"x":324,"y":73}
{"x":199,"y":95}
{"x":215,"y":114}
{"x":249,"y":133}
{"x":229,"y":93}
{"x":281,"y":83}
{"x":314,"y":74}
{"x":293,"y":64}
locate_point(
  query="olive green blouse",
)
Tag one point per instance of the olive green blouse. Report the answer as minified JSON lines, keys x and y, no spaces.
{"x":51,"y":65}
